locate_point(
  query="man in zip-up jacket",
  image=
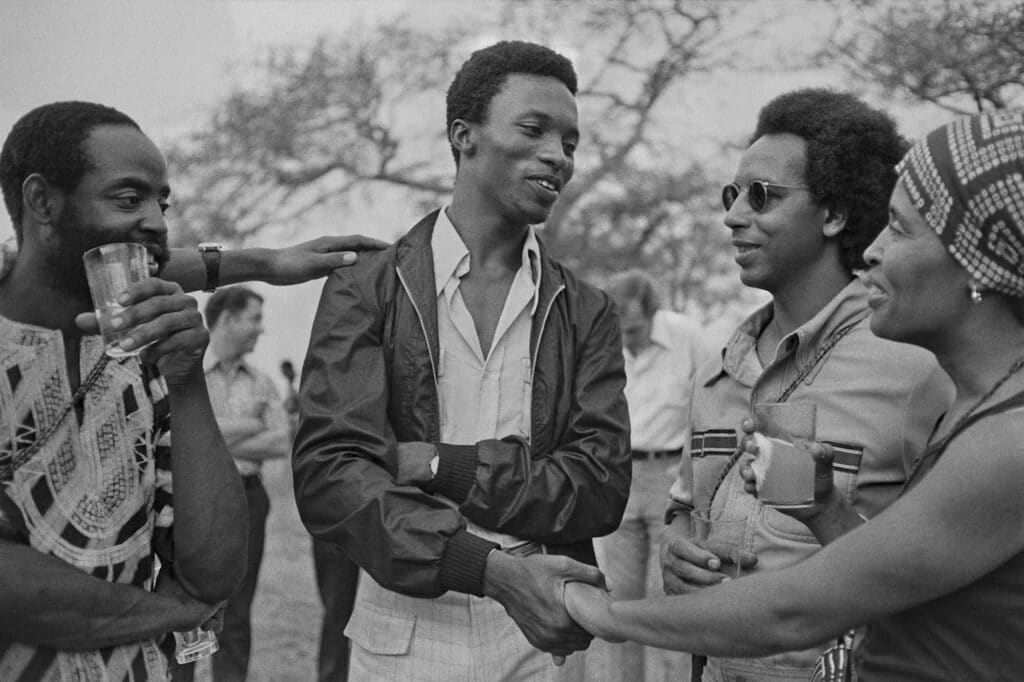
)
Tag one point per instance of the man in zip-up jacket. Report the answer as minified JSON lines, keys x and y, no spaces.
{"x":463,"y":432}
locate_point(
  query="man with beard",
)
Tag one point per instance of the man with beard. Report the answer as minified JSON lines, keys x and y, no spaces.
{"x":98,"y":565}
{"x":463,"y":431}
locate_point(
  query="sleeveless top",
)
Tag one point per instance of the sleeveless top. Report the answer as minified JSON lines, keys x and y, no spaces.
{"x":974,"y":633}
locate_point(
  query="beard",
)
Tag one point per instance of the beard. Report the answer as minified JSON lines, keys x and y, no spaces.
{"x":73,"y":239}
{"x":64,"y":259}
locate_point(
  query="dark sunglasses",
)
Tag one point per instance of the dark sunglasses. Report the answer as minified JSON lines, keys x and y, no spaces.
{"x":757,"y":193}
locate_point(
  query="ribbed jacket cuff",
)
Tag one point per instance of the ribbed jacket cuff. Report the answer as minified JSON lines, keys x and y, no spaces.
{"x":456,"y":471}
{"x":463,"y":563}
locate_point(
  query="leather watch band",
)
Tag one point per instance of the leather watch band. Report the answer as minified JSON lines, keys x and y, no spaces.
{"x":211,"y":251}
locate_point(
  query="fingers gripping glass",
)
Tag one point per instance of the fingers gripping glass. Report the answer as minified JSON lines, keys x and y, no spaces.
{"x":757,"y":193}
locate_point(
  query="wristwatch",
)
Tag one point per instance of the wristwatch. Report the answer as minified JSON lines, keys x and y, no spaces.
{"x":210,"y":251}
{"x":435,"y":461}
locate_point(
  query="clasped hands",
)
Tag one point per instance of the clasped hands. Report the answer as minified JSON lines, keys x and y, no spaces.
{"x":531,"y":589}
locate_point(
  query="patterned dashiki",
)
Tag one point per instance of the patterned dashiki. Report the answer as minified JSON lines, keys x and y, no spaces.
{"x":96,"y":494}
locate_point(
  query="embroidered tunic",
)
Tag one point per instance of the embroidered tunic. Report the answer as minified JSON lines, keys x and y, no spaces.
{"x":96,"y":494}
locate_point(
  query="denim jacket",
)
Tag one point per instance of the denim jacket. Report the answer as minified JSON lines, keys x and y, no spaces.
{"x":877,"y":403}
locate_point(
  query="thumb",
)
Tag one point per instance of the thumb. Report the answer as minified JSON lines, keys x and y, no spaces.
{"x":747,"y":559}
{"x":340,"y":259}
{"x":823,"y":456}
{"x":585,"y":574}
{"x":87,"y":323}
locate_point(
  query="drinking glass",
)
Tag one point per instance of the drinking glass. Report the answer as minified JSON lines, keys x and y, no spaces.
{"x":785,"y":468}
{"x":111,"y":269}
{"x":724,"y":533}
{"x":194,"y":644}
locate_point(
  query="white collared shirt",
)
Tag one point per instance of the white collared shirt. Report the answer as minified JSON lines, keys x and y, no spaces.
{"x":658,"y":382}
{"x":240,"y":390}
{"x":483,"y":397}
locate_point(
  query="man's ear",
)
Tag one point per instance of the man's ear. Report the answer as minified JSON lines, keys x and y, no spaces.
{"x":460,"y":135}
{"x":835,"y":221}
{"x":41,"y":200}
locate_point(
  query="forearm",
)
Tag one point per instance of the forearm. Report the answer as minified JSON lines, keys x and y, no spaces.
{"x":50,"y":603}
{"x":186,"y":267}
{"x":577,"y":487}
{"x":262,"y":446}
{"x":571,"y":494}
{"x":736,"y":619}
{"x":209,"y":503}
{"x":236,"y":430}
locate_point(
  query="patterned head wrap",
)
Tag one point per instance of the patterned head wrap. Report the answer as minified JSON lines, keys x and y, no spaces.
{"x":967,"y":181}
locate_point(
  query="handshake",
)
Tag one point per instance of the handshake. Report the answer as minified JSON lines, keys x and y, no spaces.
{"x":533,"y":589}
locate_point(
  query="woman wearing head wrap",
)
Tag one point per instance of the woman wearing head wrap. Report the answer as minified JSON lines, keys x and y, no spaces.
{"x":939,"y":575}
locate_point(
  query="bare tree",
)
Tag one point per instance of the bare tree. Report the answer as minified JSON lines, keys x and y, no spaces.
{"x":345,"y":116}
{"x":960,"y":55}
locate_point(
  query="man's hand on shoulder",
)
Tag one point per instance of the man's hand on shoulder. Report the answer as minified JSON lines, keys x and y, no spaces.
{"x":317,"y":258}
{"x":530,"y":589}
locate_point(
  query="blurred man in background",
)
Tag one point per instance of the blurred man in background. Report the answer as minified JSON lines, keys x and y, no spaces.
{"x":255,"y":426}
{"x":662,"y":350}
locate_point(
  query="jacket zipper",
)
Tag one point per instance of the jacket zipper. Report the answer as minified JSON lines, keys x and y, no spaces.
{"x":540,"y":334}
{"x":423,"y":330}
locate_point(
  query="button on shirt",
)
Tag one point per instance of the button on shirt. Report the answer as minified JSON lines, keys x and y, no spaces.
{"x":483,"y":397}
{"x":240,"y":390}
{"x":659,"y":382}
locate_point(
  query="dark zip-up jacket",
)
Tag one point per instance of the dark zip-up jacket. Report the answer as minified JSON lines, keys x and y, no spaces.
{"x":369,"y":381}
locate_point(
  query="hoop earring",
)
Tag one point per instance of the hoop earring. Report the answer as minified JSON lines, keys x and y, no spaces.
{"x":975,"y":293}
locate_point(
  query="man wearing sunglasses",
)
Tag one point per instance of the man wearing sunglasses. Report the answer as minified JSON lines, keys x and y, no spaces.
{"x":810,"y":193}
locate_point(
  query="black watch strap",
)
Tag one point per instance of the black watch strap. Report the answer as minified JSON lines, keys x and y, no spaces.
{"x":211,"y":259}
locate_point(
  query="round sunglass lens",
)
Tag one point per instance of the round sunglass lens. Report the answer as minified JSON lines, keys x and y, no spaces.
{"x":757,"y":194}
{"x":729,"y":195}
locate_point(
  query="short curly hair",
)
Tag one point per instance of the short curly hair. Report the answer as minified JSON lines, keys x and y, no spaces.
{"x":49,"y":140}
{"x":852,"y":151}
{"x":228,"y":300}
{"x":481,"y":77}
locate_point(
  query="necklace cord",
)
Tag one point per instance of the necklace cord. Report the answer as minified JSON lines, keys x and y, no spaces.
{"x":823,"y":350}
